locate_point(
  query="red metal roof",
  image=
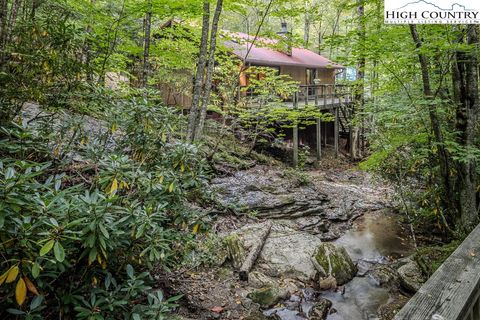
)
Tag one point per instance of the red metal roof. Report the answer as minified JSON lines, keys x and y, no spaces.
{"x":262,"y":55}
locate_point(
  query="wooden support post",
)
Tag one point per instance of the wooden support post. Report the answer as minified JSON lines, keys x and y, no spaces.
{"x":336,"y":131}
{"x":334,"y":94}
{"x":295,"y":133}
{"x":319,"y":139}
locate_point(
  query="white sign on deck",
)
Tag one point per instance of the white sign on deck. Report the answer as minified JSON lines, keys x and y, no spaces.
{"x":432,"y":11}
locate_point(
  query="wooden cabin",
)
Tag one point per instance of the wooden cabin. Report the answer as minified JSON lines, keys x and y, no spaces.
{"x":302,"y":65}
{"x":316,"y":77}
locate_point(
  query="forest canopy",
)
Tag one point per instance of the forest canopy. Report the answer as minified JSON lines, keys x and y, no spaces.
{"x":104,"y":173}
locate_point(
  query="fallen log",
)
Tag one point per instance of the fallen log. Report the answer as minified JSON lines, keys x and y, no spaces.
{"x":254,"y":252}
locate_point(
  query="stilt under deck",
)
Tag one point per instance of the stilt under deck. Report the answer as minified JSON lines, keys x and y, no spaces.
{"x":334,"y":98}
{"x":327,"y":97}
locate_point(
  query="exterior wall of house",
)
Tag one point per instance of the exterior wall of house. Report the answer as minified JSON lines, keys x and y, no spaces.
{"x":297,"y":73}
{"x":326,"y":76}
{"x":177,"y":89}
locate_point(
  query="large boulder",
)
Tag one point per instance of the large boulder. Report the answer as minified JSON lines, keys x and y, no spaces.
{"x":411,"y":277}
{"x":286,"y":253}
{"x":331,"y":260}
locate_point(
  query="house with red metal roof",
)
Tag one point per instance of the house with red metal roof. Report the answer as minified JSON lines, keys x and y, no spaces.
{"x":302,"y":65}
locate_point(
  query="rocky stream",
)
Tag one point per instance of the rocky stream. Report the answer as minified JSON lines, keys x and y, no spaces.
{"x":336,"y":249}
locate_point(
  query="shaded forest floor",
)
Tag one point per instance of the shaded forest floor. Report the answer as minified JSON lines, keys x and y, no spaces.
{"x":307,"y":208}
{"x":328,"y":202}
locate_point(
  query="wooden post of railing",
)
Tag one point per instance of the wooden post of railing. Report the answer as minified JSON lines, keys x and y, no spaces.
{"x":335,"y":128}
{"x":295,"y":133}
{"x":324,"y":90}
{"x":306,"y":95}
{"x":319,"y":127}
{"x":453,"y":291}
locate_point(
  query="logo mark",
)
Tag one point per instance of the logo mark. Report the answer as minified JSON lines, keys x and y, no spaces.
{"x":427,"y":12}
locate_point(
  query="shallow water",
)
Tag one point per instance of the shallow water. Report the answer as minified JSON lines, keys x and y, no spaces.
{"x":361,"y":300}
{"x":375,"y":237}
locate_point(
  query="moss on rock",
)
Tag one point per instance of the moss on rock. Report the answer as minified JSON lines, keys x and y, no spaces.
{"x":335,"y":261}
{"x":267,"y":296}
{"x":236,"y":252}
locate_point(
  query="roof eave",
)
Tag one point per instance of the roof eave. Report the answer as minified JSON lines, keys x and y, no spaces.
{"x":274,"y":63}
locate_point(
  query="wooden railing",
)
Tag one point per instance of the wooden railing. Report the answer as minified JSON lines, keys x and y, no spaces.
{"x":453,"y":291}
{"x":325,"y":96}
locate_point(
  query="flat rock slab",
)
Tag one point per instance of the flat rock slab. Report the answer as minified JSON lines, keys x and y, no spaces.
{"x":286,"y":253}
{"x":269,"y":193}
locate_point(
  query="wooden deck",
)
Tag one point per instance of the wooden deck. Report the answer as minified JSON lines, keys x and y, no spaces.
{"x":453,"y":291}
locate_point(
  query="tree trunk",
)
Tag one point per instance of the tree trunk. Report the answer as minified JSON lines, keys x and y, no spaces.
{"x":3,"y":29}
{"x":86,"y":51}
{"x":199,"y":77}
{"x":466,"y":97}
{"x":320,"y":36}
{"x":12,"y":20}
{"x":443,"y":156}
{"x":359,"y":100}
{"x":306,"y":28}
{"x":146,"y":45}
{"x":210,"y":68}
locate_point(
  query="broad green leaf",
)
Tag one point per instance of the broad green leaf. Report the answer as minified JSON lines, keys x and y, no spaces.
{"x":59,"y":252}
{"x":104,"y":230}
{"x":130,"y":270}
{"x":36,"y":302}
{"x":47,"y":247}
{"x":35,"y":270}
{"x":92,"y":255}
{"x":15,"y":312}
{"x":54,"y":222}
{"x":136,"y":316}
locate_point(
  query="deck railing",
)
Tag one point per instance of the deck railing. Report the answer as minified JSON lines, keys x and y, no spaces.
{"x":325,"y":96}
{"x":453,"y":291}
